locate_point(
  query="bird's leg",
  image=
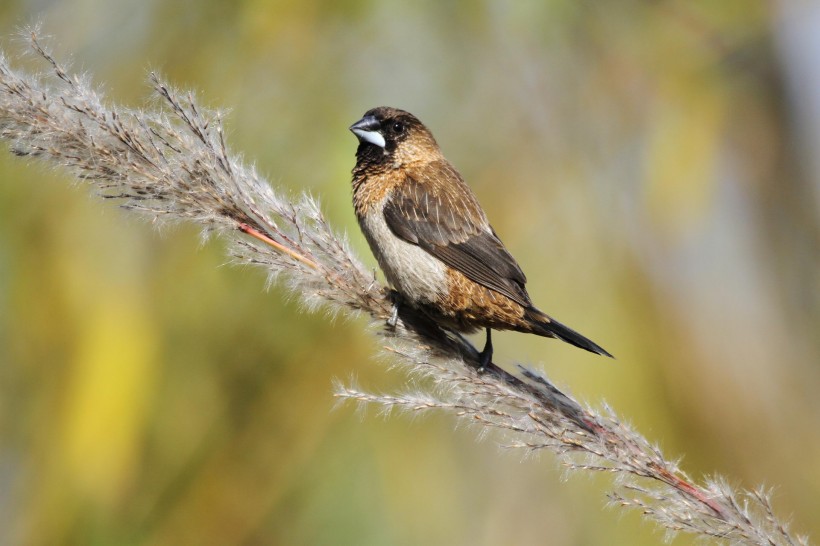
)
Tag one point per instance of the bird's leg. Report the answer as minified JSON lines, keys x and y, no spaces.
{"x":395,"y":297}
{"x":485,"y":357}
{"x":394,"y":315}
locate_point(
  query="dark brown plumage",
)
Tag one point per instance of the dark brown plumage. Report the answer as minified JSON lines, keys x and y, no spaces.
{"x":432,"y":238}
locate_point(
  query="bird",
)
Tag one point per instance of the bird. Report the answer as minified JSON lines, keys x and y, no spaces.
{"x":433,"y":241}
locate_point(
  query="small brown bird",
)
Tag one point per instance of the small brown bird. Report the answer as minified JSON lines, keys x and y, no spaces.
{"x":432,"y":238}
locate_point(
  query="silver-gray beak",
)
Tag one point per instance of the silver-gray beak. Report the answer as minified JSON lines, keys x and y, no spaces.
{"x":367,"y":130}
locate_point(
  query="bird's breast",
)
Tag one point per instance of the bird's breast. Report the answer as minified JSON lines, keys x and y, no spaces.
{"x":417,"y":275}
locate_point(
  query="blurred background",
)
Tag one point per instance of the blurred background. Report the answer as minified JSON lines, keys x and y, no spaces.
{"x":653,"y":166}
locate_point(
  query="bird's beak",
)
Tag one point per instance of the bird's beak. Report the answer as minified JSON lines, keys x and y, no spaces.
{"x":367,"y":130}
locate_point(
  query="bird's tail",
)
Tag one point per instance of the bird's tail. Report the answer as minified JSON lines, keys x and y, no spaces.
{"x":546,"y":326}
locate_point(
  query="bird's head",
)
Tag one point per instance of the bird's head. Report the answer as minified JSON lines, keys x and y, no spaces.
{"x":392,"y":136}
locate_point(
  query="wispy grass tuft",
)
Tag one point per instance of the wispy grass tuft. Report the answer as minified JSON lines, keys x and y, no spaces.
{"x":172,"y":164}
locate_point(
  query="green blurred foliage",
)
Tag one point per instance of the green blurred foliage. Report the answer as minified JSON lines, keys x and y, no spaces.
{"x":641,"y":159}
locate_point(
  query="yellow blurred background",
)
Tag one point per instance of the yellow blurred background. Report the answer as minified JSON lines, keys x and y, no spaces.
{"x":652,"y":165}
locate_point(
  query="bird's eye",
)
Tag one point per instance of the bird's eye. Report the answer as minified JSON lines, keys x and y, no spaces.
{"x":398,"y":127}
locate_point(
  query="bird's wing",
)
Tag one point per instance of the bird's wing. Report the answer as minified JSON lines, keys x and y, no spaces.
{"x":437,"y":211}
